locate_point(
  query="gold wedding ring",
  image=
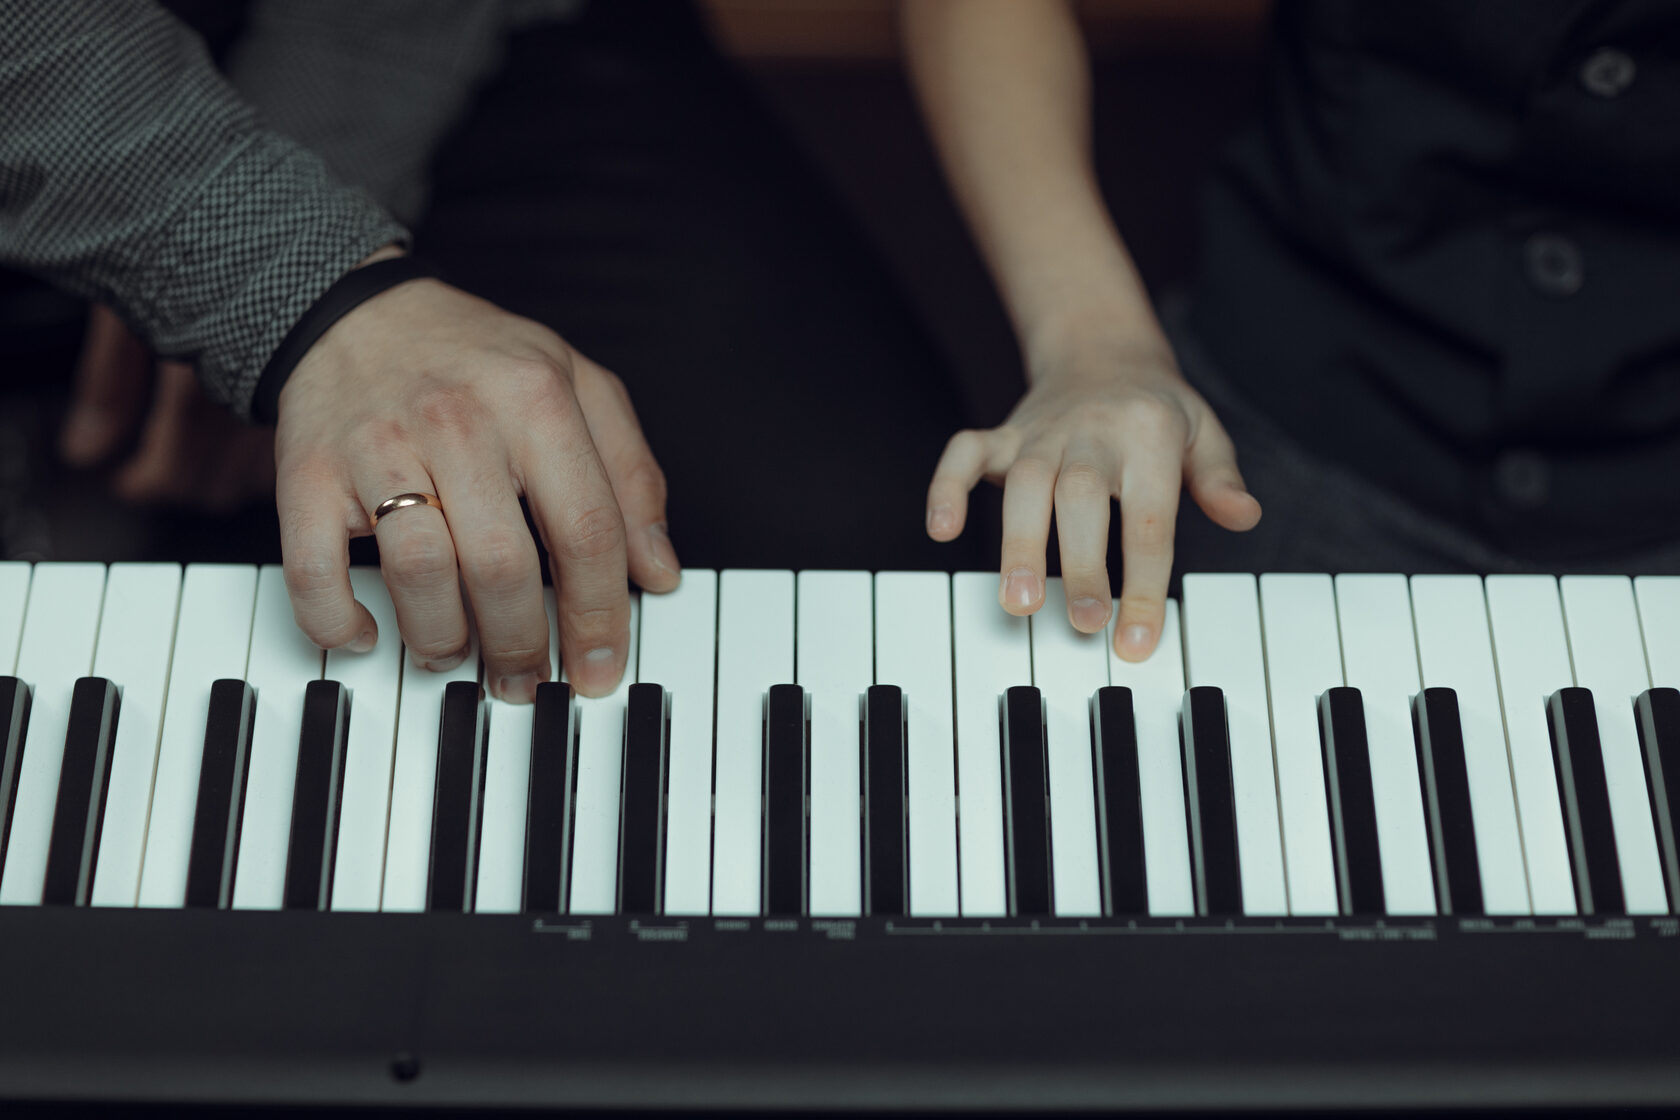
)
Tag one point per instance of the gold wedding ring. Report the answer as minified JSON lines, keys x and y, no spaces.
{"x":403,"y":501}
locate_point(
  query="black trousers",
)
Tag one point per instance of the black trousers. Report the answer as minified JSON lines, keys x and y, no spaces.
{"x":622,"y":183}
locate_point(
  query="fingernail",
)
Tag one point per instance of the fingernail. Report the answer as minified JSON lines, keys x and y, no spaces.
{"x":518,"y":689}
{"x":663,"y":554}
{"x":439,"y":664}
{"x":1089,"y":614}
{"x":1134,"y":640}
{"x":364,"y":642}
{"x":598,"y":671}
{"x":1020,"y":588}
{"x":941,"y":519}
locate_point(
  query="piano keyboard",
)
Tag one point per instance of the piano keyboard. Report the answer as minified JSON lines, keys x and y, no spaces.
{"x":833,"y":743}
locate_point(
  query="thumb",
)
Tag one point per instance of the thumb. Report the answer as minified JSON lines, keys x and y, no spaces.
{"x":112,"y":381}
{"x":1210,"y":472}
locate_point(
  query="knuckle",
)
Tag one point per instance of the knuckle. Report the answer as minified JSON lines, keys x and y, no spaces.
{"x":1148,"y":415}
{"x":590,"y":627}
{"x":593,"y":534}
{"x":382,"y":439}
{"x":1081,"y":480}
{"x":309,"y":575}
{"x":535,"y":382}
{"x":645,"y":478}
{"x":447,"y":411}
{"x":436,"y":648}
{"x":1029,"y":470}
{"x":418,"y":560}
{"x":516,"y":657}
{"x":499,"y":558}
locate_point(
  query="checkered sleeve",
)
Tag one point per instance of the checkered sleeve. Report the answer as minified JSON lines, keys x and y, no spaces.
{"x":132,"y":174}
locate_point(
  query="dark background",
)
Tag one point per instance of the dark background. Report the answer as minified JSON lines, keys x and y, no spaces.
{"x":1172,"y":80}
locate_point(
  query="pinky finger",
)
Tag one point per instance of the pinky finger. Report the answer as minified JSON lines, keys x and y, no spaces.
{"x":960,"y":469}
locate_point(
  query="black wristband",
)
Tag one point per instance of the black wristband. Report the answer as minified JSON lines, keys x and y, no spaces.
{"x":352,"y":290}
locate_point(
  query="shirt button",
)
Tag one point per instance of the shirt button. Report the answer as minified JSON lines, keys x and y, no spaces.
{"x":1607,"y":72}
{"x":1554,"y":264}
{"x":1522,"y":479}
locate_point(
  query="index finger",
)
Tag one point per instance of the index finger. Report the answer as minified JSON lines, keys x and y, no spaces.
{"x":315,"y":550}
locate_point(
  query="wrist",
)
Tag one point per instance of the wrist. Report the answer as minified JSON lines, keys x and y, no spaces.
{"x":379,"y":272}
{"x":1110,"y":339}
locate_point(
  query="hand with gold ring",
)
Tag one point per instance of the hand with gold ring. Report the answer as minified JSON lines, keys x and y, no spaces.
{"x":427,"y":392}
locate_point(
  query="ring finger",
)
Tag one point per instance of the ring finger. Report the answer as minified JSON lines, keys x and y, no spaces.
{"x":417,"y":556}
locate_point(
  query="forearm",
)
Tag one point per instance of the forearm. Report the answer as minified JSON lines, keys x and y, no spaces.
{"x":130,"y":173}
{"x":1005,"y":88}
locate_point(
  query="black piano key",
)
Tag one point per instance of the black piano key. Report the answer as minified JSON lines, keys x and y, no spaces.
{"x":1352,"y":800}
{"x":457,"y":800}
{"x":548,"y":825}
{"x":641,"y":818}
{"x":1657,"y":712}
{"x":1584,"y":793}
{"x":1446,"y":795}
{"x":784,"y":800}
{"x":1026,"y":803}
{"x":83,"y":780}
{"x":315,"y":796}
{"x":885,"y":846}
{"x":14,"y":721}
{"x":1210,"y":800}
{"x":221,"y":794}
{"x":1125,"y":887}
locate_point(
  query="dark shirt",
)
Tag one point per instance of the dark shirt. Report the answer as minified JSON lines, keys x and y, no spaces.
{"x":1448,"y":256}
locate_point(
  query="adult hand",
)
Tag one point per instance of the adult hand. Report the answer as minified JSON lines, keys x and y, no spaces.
{"x":190,"y":452}
{"x":425,"y":388}
{"x":1100,"y":423}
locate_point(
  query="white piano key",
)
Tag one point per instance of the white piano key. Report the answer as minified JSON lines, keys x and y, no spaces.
{"x":1223,"y":650}
{"x":136,"y":635}
{"x":507,"y":791}
{"x":600,"y":774}
{"x":1068,"y":668}
{"x":835,"y":662}
{"x":1659,"y":619}
{"x":60,"y":628}
{"x":374,"y":680}
{"x":755,"y":651}
{"x":678,"y":650}
{"x":1379,"y":658}
{"x":1455,"y":650}
{"x":283,"y":662}
{"x":993,"y":653}
{"x":913,"y":651}
{"x":1531,"y":654}
{"x":14,"y":595}
{"x":1609,"y":658}
{"x":1303,"y":659}
{"x":1157,"y":686}
{"x":408,"y":844}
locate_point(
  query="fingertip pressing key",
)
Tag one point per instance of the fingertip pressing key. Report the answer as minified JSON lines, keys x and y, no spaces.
{"x":1088,"y":614}
{"x":1134,"y":641}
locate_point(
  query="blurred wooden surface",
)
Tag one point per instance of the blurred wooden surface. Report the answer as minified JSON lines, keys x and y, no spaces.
{"x":840,"y":30}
